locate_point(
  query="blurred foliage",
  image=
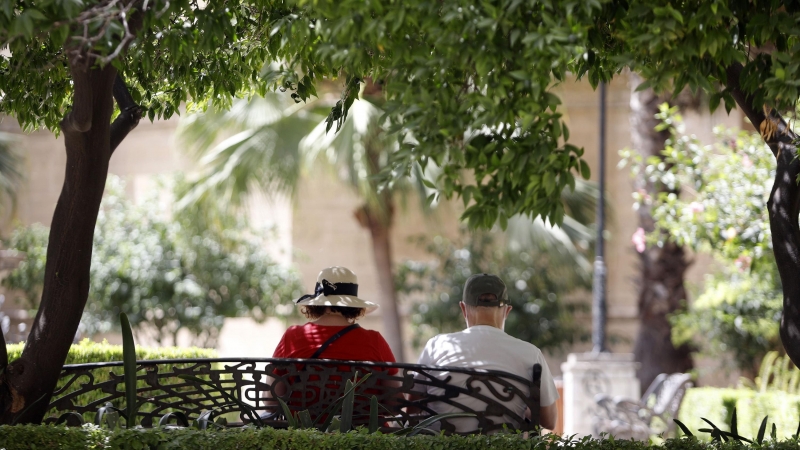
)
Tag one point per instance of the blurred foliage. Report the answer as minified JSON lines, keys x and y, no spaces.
{"x":87,"y":351}
{"x":536,"y":289}
{"x":28,"y":277}
{"x":777,"y":373}
{"x":166,"y":275}
{"x":721,"y":211}
{"x":717,"y":405}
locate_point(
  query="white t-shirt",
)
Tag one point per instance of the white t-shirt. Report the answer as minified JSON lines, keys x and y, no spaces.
{"x":483,"y":347}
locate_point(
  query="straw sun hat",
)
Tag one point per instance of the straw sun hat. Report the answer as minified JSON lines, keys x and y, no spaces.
{"x":336,"y":286}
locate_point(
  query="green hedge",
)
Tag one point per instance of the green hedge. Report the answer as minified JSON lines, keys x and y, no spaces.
{"x":716,"y":405}
{"x":52,"y":437}
{"x":88,"y":352}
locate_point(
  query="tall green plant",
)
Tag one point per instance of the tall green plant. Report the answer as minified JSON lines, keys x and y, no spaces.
{"x":129,"y":370}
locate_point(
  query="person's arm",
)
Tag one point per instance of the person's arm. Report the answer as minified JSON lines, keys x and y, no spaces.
{"x":548,"y":394}
{"x":548,"y":416}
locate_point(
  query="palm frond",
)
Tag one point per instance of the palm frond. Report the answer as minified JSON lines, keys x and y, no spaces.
{"x":581,"y":204}
{"x":11,"y":166}
{"x":356,"y":152}
{"x":567,"y":243}
{"x":262,"y":151}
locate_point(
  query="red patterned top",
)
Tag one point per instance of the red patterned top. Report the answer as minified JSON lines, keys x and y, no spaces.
{"x":301,"y":341}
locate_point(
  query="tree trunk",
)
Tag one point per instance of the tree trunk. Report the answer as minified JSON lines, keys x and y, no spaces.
{"x":379,"y":226}
{"x":783,"y":206}
{"x":31,"y":379}
{"x":90,"y":138}
{"x":661,"y":287}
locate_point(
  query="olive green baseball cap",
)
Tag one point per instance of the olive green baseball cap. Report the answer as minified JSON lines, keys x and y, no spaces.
{"x":483,"y":283}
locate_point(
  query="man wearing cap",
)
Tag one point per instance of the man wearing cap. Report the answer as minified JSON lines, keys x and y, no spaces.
{"x":484,"y":345}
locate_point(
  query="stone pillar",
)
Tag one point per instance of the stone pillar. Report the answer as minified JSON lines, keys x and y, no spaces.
{"x":588,"y":374}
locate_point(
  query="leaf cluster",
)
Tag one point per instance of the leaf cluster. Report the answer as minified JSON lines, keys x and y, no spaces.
{"x":183,"y":51}
{"x":468,"y":85}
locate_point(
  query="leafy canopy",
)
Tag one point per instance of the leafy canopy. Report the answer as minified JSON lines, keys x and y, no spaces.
{"x":468,"y":84}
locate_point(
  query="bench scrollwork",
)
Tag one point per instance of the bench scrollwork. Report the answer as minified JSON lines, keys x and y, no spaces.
{"x":302,"y":384}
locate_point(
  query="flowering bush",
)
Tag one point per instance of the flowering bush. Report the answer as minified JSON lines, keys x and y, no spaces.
{"x":722,"y":211}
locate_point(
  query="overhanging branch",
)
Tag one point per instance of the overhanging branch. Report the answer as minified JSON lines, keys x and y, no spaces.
{"x":129,"y":115}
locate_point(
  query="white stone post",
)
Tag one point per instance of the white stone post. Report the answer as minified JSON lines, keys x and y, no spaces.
{"x":588,"y":374}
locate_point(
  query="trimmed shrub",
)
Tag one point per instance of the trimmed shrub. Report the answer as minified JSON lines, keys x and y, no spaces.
{"x":59,"y":437}
{"x":90,"y":352}
{"x":716,"y":405}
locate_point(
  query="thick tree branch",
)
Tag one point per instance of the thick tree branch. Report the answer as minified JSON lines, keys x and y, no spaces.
{"x":783,"y":206}
{"x":129,"y":113}
{"x":79,"y":118}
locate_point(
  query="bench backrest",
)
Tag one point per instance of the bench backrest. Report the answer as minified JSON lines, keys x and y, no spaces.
{"x":308,"y":384}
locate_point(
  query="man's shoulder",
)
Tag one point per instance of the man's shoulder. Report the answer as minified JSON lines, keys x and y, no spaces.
{"x":444,"y":337}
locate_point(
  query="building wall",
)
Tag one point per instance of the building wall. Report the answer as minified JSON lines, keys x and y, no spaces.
{"x":318,"y":229}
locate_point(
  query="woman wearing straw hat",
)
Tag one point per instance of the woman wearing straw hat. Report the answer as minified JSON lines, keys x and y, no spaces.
{"x":332,"y":331}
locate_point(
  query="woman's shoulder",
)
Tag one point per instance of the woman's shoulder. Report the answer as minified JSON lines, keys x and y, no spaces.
{"x":370,"y":337}
{"x":296,"y":329}
{"x":372,"y":333}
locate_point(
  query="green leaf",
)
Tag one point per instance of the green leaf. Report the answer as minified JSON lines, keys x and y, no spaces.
{"x":586,"y":173}
{"x":305,"y":419}
{"x":347,"y":408}
{"x":177,"y":415}
{"x":129,"y":369}
{"x":683,"y":428}
{"x":373,"y":414}
{"x":287,"y":412}
{"x":762,"y":430}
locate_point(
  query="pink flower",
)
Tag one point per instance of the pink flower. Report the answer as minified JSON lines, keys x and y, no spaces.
{"x":746,"y":162}
{"x":638,"y":240}
{"x":743,"y":262}
{"x":696,"y":207}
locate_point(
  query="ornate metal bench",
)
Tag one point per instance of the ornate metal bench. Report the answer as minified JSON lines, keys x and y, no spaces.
{"x":630,"y":419}
{"x":308,"y":384}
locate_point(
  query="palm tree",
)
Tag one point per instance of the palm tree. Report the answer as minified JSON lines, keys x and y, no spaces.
{"x":270,"y":144}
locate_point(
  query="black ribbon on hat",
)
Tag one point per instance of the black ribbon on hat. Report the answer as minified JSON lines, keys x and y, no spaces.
{"x":327,"y":288}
